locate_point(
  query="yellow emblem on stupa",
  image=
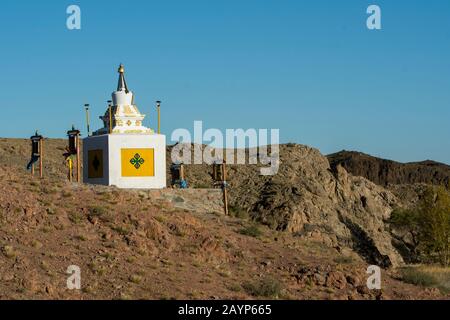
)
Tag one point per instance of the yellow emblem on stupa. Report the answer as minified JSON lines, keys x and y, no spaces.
{"x":138,"y":162}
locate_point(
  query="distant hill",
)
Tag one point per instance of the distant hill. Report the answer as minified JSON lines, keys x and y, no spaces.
{"x":384,"y":172}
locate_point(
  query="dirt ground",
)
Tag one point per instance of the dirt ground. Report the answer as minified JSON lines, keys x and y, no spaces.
{"x":159,"y":245}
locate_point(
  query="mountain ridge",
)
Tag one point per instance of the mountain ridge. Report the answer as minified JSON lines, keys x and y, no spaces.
{"x":385,"y":172}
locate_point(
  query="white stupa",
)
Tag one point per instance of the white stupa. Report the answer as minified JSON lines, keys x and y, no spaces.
{"x":124,"y":152}
{"x":126,"y":117}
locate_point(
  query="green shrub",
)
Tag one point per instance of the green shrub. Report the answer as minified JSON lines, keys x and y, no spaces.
{"x":76,"y":217}
{"x":267,"y":287}
{"x":251,"y":231}
{"x":122,"y":230}
{"x":51,"y":211}
{"x":235,"y":287}
{"x":96,"y":211}
{"x":100,"y":212}
{"x":9,"y":252}
{"x":428,"y":223}
{"x":239,"y":213}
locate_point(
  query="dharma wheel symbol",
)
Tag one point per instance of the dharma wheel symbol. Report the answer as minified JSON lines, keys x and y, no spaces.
{"x":137,"y":161}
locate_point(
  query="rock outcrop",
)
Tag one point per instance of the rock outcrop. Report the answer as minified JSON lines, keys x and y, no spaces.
{"x":310,"y":199}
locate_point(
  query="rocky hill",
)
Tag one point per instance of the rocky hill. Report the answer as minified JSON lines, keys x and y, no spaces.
{"x":385,"y":172}
{"x":317,"y":229}
{"x":306,"y":197}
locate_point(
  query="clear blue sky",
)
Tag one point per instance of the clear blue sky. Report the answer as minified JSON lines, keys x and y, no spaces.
{"x":310,"y":68}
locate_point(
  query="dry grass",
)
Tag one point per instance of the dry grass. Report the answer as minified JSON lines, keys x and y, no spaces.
{"x":427,"y":276}
{"x":135,"y":278}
